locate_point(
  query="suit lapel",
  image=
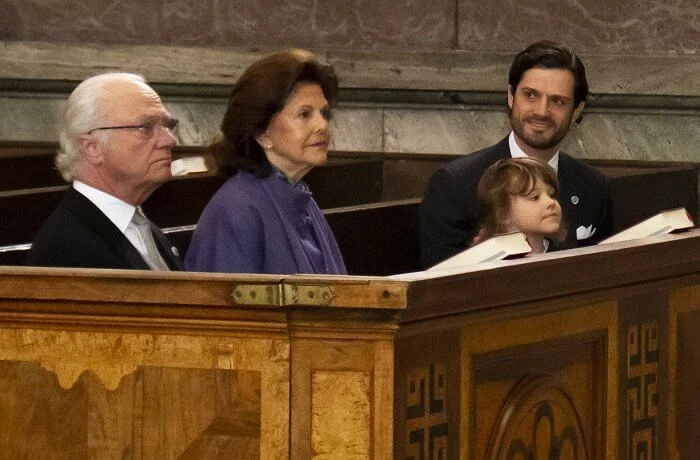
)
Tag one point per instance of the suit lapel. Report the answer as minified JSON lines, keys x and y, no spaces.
{"x":167,"y":250}
{"x":568,"y":185}
{"x":569,"y":198}
{"x":501,"y":150}
{"x":102,"y":226}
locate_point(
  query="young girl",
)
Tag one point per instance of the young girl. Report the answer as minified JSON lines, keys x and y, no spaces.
{"x":519,"y":195}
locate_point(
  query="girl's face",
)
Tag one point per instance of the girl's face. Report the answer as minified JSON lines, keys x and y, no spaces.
{"x":538,"y":213}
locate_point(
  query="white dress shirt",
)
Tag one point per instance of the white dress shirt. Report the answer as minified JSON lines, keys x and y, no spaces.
{"x":517,"y":152}
{"x":118,"y":211}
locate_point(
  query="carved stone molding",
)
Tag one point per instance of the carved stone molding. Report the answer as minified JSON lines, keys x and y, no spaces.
{"x":438,"y":70}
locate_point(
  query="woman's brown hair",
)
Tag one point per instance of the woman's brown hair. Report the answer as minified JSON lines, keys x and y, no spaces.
{"x":260,"y":92}
{"x":512,"y":176}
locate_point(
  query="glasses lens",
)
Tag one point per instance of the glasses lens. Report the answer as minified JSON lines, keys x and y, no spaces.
{"x":148,"y":130}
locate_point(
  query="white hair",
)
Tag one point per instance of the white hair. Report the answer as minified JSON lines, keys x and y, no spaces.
{"x":84,"y":113}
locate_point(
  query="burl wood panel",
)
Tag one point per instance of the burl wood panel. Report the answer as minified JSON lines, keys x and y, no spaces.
{"x":353,"y":378}
{"x":155,"y":412}
{"x":340,"y":415}
{"x":539,"y":383}
{"x":70,"y":394}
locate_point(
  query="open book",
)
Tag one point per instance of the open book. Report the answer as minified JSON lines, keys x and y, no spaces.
{"x":663,"y":222}
{"x":495,"y":248}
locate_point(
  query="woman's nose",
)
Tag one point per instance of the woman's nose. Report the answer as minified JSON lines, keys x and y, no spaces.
{"x":321,"y":123}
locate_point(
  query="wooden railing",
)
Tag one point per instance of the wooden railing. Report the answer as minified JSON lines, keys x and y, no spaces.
{"x":587,"y":353}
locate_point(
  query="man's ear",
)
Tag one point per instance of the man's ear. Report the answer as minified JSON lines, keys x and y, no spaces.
{"x":92,"y":148}
{"x":510,"y":97}
{"x":578,"y":112}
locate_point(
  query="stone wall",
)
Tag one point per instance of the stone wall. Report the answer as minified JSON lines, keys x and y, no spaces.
{"x":416,"y":76}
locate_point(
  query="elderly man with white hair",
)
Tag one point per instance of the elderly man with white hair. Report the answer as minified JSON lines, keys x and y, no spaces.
{"x":115,"y":146}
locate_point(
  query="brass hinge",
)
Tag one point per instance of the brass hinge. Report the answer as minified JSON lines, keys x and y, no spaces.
{"x":282,"y":294}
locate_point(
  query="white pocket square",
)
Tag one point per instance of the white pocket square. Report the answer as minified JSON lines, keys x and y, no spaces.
{"x":583,"y":233}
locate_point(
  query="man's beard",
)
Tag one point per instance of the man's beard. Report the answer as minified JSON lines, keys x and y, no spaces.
{"x":541,"y":141}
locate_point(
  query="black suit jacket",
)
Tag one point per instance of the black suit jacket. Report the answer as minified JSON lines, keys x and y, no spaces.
{"x":449,"y":217}
{"x":78,"y":234}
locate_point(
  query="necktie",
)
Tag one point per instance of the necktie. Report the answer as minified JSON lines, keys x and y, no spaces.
{"x":152,"y":256}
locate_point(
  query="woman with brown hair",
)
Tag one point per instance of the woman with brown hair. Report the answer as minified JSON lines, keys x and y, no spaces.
{"x":276,"y":128}
{"x":520,"y":195}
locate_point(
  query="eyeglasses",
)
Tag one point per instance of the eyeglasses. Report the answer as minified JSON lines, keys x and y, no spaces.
{"x":146,"y":130}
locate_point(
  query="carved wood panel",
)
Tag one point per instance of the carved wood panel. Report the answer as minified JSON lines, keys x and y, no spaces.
{"x":643,"y":375}
{"x":642,"y":390}
{"x":538,"y":421}
{"x":540,"y":400}
{"x":426,"y":413}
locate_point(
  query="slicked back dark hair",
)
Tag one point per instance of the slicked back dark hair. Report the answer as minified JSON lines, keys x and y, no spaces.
{"x":262,"y":91}
{"x":547,"y":54}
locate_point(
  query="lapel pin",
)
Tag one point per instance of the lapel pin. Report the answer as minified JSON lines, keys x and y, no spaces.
{"x":175,"y":252}
{"x":574,"y":199}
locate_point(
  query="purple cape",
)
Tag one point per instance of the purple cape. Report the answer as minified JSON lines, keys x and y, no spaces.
{"x":263,"y":225}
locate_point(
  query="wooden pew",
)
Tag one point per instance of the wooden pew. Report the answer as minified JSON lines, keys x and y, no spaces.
{"x":349,"y":179}
{"x":586,"y":353}
{"x":177,"y":202}
{"x":640,"y":189}
{"x":181,"y":200}
{"x":23,"y":212}
{"x":592,"y":351}
{"x":115,"y":364}
{"x":13,"y":254}
{"x":353,"y":178}
{"x":28,"y":165}
{"x":375,"y":239}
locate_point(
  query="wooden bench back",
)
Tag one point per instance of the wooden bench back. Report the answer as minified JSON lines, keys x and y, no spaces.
{"x":30,"y":188}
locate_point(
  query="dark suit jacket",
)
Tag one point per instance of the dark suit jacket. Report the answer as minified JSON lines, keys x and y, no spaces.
{"x":78,"y":234}
{"x":449,"y":218}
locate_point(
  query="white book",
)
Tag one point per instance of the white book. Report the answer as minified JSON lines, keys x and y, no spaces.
{"x":662,"y":223}
{"x":188,"y":165}
{"x":495,"y":248}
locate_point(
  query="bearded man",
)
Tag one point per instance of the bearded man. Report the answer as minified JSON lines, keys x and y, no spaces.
{"x":547,"y":91}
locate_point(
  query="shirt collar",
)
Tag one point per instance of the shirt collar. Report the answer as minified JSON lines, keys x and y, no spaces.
{"x":118,"y":211}
{"x":517,"y":152}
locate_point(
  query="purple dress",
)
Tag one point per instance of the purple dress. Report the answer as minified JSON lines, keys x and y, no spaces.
{"x":263,"y":225}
